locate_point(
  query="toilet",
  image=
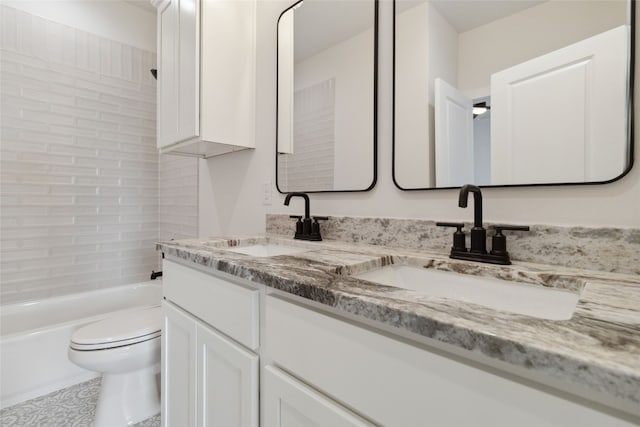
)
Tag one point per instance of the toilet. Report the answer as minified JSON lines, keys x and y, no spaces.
{"x":125,"y":349}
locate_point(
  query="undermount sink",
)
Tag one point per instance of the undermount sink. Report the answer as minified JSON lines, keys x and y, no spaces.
{"x":267,"y":250}
{"x":514,"y":297}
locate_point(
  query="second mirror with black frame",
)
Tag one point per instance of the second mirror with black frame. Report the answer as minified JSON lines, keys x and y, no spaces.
{"x":326,"y":96}
{"x":501,"y":93}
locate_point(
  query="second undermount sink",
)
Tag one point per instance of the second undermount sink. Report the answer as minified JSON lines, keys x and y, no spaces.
{"x":514,"y":297}
{"x":267,"y":250}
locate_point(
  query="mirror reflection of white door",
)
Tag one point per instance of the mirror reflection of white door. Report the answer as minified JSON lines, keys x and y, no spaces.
{"x":561,"y":117}
{"x":454,"y":136}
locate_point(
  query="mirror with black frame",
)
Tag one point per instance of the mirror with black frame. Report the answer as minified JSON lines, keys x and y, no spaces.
{"x":326,"y":96}
{"x":503,"y":92}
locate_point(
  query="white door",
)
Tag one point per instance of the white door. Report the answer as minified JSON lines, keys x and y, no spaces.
{"x":167,"y":73}
{"x":188,"y":78}
{"x":227,"y":381}
{"x":561,"y":117}
{"x":178,"y":71}
{"x":290,"y":403}
{"x":178,"y":367}
{"x":454,"y":136}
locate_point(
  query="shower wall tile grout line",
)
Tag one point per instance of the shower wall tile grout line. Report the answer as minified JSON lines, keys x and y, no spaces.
{"x":84,"y":193}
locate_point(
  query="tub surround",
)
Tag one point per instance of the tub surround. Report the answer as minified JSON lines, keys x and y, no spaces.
{"x":80,"y":169}
{"x":596,"y":349}
{"x":601,"y":249}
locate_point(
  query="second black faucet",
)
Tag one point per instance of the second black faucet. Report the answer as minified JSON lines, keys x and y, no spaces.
{"x":478,"y":251}
{"x":305,"y":228}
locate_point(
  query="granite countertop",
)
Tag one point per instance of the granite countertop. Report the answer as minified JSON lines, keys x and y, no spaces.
{"x":597,"y":349}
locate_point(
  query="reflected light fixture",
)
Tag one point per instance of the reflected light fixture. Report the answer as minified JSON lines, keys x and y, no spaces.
{"x":480,"y":108}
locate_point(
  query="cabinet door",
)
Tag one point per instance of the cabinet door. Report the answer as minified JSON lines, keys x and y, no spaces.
{"x":188,"y":78}
{"x":290,"y":403}
{"x":228,"y":57}
{"x":178,"y":367}
{"x":227,"y":381}
{"x":167,"y":117}
{"x":178,"y":71}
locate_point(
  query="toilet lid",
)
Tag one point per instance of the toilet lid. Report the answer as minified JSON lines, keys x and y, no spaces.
{"x":119,"y":330}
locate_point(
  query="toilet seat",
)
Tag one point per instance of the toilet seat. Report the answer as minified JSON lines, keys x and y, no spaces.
{"x":121,"y":330}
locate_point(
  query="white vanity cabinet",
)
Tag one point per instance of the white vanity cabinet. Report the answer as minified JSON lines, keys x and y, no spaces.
{"x":236,"y":353}
{"x":290,"y":403}
{"x":208,"y":377}
{"x":179,"y":361}
{"x":397,"y":382}
{"x":206,"y":76}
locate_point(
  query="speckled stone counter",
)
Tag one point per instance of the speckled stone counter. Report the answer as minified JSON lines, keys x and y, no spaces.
{"x":614,"y":250}
{"x":598,"y":349}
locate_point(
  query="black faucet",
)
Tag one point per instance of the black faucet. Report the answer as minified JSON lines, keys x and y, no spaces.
{"x":478,"y":233}
{"x":478,"y":251}
{"x":305,"y":228}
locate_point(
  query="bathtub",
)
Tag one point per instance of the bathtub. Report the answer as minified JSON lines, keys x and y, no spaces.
{"x":34,"y":337}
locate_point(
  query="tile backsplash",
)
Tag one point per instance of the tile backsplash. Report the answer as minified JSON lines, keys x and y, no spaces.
{"x":602,"y":249}
{"x":79,"y":160}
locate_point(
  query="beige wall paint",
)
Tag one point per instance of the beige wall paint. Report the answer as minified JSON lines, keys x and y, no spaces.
{"x":231,"y":186}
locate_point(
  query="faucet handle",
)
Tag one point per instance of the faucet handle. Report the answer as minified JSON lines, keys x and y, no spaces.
{"x":500,"y":228}
{"x":459,"y":239}
{"x":499,"y":240}
{"x":299,"y":225}
{"x":458,"y":225}
{"x":315,"y":227}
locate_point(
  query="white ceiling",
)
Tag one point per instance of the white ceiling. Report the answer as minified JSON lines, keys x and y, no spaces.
{"x":142,"y":4}
{"x":319,"y":24}
{"x":466,"y":15}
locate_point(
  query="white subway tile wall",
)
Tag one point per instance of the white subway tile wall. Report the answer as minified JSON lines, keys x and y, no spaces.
{"x":178,"y":197}
{"x":80,"y":184}
{"x":311,"y":166}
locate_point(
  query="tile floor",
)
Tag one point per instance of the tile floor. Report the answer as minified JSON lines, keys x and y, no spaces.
{"x":70,"y":407}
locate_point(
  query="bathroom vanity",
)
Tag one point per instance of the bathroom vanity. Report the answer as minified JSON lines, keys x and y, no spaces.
{"x":210,"y":340}
{"x":273,"y":331}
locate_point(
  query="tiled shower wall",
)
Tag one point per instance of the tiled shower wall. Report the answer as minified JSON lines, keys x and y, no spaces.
{"x":79,"y":185}
{"x":312,"y":165}
{"x":178,"y":197}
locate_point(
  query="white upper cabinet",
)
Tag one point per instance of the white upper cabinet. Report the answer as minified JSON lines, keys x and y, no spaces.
{"x":206,"y":76}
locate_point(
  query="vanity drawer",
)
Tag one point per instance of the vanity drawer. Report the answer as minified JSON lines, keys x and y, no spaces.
{"x":393,"y":382}
{"x":228,"y":306}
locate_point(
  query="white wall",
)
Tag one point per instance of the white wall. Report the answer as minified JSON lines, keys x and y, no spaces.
{"x":482,"y":149}
{"x":414,"y":115}
{"x":427,"y":49}
{"x":351,"y":64}
{"x":231,"y":191}
{"x":111,"y":19}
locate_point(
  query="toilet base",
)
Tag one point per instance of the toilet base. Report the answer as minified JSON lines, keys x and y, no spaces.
{"x":127,"y":398}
